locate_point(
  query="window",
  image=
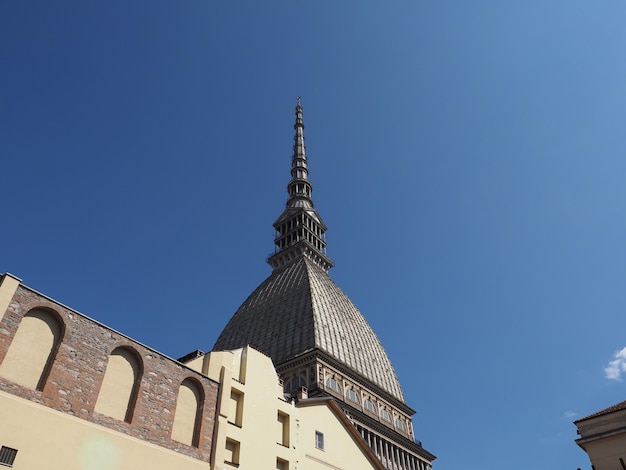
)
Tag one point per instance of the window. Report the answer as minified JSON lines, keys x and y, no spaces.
{"x":235,"y":412}
{"x":400,"y":424}
{"x":231,"y":456}
{"x":319,"y":440}
{"x":282,"y":464}
{"x":332,"y":383}
{"x":120,"y":385}
{"x":7,"y":456}
{"x":369,"y":405}
{"x":283,"y":429}
{"x":188,"y":413}
{"x":352,"y":396}
{"x":384,"y":414}
{"x":32,"y":350}
{"x":294,"y":384}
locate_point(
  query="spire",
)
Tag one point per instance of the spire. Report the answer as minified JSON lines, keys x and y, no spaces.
{"x":300,"y":230}
{"x":299,"y":187}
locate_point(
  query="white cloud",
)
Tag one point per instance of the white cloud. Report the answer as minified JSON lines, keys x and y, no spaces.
{"x":570,"y":414}
{"x":618,"y":365}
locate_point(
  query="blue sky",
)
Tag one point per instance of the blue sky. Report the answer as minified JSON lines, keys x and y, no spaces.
{"x":467,"y":157}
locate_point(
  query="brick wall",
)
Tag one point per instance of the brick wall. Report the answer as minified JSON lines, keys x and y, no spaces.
{"x":78,"y":369}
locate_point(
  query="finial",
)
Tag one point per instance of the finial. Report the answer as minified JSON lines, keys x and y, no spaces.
{"x":299,"y":121}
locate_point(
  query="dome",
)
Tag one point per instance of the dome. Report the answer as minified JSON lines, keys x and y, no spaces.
{"x":299,"y":308}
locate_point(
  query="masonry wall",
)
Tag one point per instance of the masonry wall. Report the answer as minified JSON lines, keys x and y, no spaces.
{"x":77,"y":370}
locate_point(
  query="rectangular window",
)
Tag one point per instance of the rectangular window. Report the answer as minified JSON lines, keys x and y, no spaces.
{"x":7,"y":456}
{"x":283,"y":429}
{"x":319,"y":440}
{"x":282,"y":464}
{"x":235,"y":412}
{"x":231,"y":456}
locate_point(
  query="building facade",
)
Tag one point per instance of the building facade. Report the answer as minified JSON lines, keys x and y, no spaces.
{"x":316,"y":336}
{"x":76,"y":395}
{"x":603,"y":437}
{"x":259,"y":427}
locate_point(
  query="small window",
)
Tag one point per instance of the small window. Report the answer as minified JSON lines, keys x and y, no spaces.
{"x":294,"y":384}
{"x":235,"y":411}
{"x":384,"y":414}
{"x":319,"y":440}
{"x":352,"y":396}
{"x":231,"y":456}
{"x":283,"y":429}
{"x":332,"y":383}
{"x":282,"y":464}
{"x":369,"y":405}
{"x":400,"y":424}
{"x":7,"y":456}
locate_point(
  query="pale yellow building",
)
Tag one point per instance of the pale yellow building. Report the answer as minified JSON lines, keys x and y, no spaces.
{"x":259,"y":427}
{"x":603,"y":437}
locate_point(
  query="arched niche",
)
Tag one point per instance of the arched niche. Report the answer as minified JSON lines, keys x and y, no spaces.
{"x":187,"y":418}
{"x":120,"y":385}
{"x":33,"y":349}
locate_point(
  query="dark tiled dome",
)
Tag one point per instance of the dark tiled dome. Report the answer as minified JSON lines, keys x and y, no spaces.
{"x":299,"y":308}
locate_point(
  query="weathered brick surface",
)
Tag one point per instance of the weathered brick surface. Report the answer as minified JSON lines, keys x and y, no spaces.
{"x":78,"y":370}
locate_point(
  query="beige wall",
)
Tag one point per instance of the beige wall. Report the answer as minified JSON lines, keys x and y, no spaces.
{"x":255,"y":422}
{"x":250,"y":398}
{"x":605,"y":453}
{"x":51,"y":440}
{"x":340,"y":447}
